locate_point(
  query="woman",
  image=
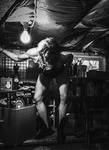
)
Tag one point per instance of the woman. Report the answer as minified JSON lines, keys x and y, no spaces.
{"x":51,"y":63}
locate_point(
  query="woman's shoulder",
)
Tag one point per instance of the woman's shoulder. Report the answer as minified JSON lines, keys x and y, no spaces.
{"x":65,"y":58}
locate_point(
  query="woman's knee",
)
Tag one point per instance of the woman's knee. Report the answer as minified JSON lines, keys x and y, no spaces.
{"x":38,"y":98}
{"x":63,"y":98}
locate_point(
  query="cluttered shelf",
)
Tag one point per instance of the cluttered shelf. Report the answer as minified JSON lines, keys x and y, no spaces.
{"x":96,"y":84}
{"x":91,"y":91}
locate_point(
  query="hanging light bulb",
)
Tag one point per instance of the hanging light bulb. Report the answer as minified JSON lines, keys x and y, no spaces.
{"x":25,"y":37}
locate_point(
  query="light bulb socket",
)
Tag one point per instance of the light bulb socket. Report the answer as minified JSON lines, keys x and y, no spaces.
{"x":25,"y":25}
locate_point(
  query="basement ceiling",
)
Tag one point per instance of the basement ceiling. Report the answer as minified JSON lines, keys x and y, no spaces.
{"x":78,"y":25}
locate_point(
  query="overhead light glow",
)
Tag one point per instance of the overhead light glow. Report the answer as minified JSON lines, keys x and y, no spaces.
{"x":25,"y":37}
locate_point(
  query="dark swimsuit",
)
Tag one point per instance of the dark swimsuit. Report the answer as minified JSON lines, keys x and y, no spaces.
{"x":52,"y":73}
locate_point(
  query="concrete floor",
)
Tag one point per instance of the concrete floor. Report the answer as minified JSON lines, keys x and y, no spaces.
{"x":71,"y":143}
{"x":99,"y":140}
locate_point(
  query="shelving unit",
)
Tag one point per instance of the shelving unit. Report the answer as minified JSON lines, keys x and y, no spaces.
{"x":89,"y":93}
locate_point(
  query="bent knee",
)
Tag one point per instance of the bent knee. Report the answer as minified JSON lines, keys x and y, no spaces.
{"x":63,"y":97}
{"x":38,"y":98}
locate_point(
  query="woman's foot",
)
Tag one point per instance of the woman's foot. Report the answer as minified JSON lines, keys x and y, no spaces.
{"x":42,"y":133}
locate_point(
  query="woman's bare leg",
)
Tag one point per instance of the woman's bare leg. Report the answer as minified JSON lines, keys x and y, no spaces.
{"x":62,"y":81}
{"x":41,"y":85}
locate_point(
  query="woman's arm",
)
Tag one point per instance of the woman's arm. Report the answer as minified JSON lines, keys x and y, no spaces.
{"x":20,"y":57}
{"x":13,"y":56}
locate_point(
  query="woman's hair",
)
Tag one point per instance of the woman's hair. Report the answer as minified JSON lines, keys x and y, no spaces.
{"x":51,"y":49}
{"x":49,"y":44}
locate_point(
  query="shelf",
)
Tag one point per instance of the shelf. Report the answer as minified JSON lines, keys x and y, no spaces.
{"x":90,"y":78}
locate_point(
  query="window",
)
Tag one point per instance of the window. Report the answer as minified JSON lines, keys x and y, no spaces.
{"x":92,"y":62}
{"x":7,"y":68}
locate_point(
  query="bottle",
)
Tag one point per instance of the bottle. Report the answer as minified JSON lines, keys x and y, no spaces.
{"x":80,"y":69}
{"x":16,"y":82}
{"x":16,"y":77}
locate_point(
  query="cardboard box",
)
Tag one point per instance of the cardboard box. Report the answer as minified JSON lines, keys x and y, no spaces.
{"x":19,"y":125}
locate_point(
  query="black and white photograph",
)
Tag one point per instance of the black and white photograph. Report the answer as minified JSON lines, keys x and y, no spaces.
{"x":54,"y":74}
